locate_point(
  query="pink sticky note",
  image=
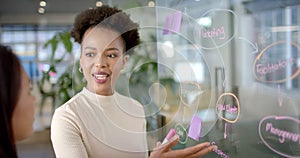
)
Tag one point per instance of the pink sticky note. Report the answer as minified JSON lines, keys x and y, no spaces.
{"x":168,"y":25}
{"x":195,"y":128}
{"x":176,"y":21}
{"x":172,"y":23}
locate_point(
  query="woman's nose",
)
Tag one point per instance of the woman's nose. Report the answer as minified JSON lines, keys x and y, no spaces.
{"x":102,"y":62}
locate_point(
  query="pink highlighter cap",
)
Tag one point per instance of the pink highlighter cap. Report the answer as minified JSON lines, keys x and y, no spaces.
{"x":171,"y":134}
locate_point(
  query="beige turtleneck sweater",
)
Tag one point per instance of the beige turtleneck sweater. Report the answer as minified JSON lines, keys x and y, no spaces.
{"x":94,"y":126}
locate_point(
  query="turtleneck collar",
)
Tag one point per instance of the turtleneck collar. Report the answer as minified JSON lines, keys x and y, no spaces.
{"x":101,"y":100}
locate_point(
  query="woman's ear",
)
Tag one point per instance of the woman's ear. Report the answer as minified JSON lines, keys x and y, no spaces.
{"x":125,"y":58}
{"x":80,"y":63}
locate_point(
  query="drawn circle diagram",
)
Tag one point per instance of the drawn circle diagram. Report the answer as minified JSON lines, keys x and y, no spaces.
{"x":281,"y":135}
{"x":182,"y":133}
{"x":190,"y":93}
{"x":217,"y":35}
{"x":228,"y":107}
{"x":143,"y":85}
{"x":280,"y":69}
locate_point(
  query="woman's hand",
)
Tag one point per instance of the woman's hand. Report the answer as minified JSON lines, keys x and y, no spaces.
{"x":164,"y":151}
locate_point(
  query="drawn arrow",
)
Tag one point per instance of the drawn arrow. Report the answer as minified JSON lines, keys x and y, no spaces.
{"x":225,"y":135}
{"x":279,"y":97}
{"x":253,"y":45}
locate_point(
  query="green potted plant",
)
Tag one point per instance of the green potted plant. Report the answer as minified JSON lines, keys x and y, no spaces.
{"x":70,"y":81}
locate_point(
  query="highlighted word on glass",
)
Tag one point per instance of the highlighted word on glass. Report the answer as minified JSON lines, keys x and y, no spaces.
{"x":173,"y":23}
{"x":215,"y":36}
{"x":195,"y":128}
{"x":219,"y":152}
{"x":228,"y":107}
{"x":181,"y":132}
{"x":281,"y":134}
{"x":284,"y":68}
{"x":218,"y":33}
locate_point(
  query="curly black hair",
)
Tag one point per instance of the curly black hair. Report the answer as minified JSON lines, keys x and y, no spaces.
{"x":110,"y":18}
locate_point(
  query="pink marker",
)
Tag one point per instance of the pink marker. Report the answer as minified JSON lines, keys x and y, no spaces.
{"x":171,"y":134}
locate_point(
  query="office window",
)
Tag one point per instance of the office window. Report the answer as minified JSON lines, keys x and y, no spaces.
{"x":28,"y":41}
{"x":278,"y":32}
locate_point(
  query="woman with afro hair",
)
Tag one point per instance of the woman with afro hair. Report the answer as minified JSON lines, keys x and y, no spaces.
{"x":98,"y":121}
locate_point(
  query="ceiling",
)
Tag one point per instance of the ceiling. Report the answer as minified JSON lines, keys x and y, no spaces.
{"x":53,"y":6}
{"x":26,"y":11}
{"x":13,"y":7}
{"x":59,"y":6}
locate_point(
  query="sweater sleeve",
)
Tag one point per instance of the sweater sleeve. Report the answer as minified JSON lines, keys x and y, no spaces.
{"x":65,"y":136}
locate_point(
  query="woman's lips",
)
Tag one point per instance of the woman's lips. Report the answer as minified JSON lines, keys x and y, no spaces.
{"x":100,"y":77}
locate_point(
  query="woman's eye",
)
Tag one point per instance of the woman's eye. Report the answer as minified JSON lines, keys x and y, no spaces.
{"x":89,"y":54}
{"x":111,"y":55}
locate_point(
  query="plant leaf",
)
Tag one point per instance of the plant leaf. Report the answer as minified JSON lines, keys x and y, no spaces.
{"x":65,"y":38}
{"x":53,"y":42}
